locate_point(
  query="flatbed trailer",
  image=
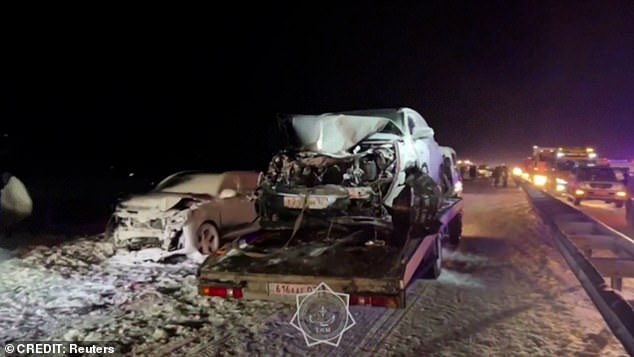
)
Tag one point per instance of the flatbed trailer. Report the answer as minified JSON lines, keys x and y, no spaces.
{"x":374,"y":268}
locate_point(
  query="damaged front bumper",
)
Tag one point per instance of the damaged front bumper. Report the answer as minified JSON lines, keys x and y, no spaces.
{"x":134,"y":231}
{"x":322,"y":205}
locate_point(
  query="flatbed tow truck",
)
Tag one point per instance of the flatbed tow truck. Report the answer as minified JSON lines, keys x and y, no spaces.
{"x":374,"y":267}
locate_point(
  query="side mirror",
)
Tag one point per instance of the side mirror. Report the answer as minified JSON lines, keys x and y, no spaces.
{"x":227,"y":193}
{"x":423,"y":132}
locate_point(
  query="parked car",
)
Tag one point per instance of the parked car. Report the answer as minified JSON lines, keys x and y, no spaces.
{"x":596,"y":183}
{"x":186,"y":212}
{"x":376,"y":167}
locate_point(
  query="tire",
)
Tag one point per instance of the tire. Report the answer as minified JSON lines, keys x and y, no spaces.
{"x":208,"y":238}
{"x":619,"y":204}
{"x":403,"y":215}
{"x":434,"y":270}
{"x":577,"y":201}
{"x":455,"y":230}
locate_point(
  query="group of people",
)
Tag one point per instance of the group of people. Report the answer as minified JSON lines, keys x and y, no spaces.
{"x":469,"y":172}
{"x":500,"y":176}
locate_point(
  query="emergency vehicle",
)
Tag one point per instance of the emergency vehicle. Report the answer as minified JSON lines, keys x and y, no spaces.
{"x":552,"y":165}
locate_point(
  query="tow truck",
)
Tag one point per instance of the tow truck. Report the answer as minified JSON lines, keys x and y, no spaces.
{"x":359,"y":201}
{"x":374,"y":267}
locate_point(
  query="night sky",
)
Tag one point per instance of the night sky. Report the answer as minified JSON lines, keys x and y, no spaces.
{"x":492,"y":79}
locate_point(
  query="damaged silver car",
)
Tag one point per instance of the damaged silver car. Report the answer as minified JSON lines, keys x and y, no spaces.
{"x":187,"y":212}
{"x":376,"y":167}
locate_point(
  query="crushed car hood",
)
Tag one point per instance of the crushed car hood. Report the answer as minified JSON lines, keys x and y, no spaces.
{"x":335,"y":133}
{"x":161,"y":201}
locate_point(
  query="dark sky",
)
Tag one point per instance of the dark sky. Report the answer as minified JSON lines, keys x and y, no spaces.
{"x":492,"y":78}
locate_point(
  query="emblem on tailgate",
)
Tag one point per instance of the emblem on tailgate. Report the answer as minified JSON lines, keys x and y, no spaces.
{"x":323,"y":316}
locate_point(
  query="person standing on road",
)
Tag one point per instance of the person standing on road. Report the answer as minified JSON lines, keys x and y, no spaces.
{"x":496,"y":176}
{"x":505,"y":175}
{"x":472,"y":172}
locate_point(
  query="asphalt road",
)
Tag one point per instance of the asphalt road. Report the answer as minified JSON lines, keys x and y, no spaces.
{"x":608,"y":214}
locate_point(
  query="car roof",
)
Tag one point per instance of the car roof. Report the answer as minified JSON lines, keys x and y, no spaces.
{"x":208,"y":182}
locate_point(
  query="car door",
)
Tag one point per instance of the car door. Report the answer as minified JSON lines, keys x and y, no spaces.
{"x":236,"y":208}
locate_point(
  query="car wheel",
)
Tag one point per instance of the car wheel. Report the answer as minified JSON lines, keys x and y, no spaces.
{"x":208,"y":238}
{"x":577,"y":201}
{"x":455,"y":230}
{"x":618,"y":204}
{"x":435,"y":268}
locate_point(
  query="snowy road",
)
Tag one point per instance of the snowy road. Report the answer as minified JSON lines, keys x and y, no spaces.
{"x":504,"y":292}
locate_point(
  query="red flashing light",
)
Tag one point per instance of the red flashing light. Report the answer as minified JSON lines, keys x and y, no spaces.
{"x":222,"y":292}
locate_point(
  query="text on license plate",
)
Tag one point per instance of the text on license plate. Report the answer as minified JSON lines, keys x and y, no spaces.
{"x":314,"y":202}
{"x":289,"y":289}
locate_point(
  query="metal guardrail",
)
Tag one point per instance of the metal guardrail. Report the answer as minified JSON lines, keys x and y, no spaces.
{"x":577,"y":235}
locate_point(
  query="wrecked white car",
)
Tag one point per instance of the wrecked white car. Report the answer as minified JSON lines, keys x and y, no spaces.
{"x":187,"y":212}
{"x":376,"y":167}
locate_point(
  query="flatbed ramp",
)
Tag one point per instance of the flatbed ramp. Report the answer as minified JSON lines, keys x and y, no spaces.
{"x":361,"y":262}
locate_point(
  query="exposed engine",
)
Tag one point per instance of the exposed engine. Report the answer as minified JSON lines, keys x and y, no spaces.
{"x":358,"y":181}
{"x":372,"y":167}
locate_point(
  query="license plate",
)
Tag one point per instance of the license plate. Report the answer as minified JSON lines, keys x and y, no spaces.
{"x":289,"y":289}
{"x":297,"y":202}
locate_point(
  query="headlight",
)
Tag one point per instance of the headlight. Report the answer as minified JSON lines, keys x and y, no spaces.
{"x":517,"y":171}
{"x":560,"y":188}
{"x":621,"y":194}
{"x":579,"y":192}
{"x":592,"y":155}
{"x":540,"y":180}
{"x":561,"y":181}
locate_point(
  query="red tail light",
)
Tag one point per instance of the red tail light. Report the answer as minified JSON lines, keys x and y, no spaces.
{"x":375,"y":300}
{"x":222,"y":292}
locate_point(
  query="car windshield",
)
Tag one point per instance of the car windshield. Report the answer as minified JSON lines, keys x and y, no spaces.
{"x":565,"y":165}
{"x":191,"y":183}
{"x":171,"y":182}
{"x":596,"y":174}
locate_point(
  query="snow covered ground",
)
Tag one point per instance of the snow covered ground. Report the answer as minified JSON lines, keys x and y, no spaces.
{"x":504,"y":292}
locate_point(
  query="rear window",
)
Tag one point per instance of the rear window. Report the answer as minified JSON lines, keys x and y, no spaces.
{"x":596,"y":174}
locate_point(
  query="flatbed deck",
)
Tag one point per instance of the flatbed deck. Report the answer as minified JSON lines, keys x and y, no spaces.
{"x":360,"y":261}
